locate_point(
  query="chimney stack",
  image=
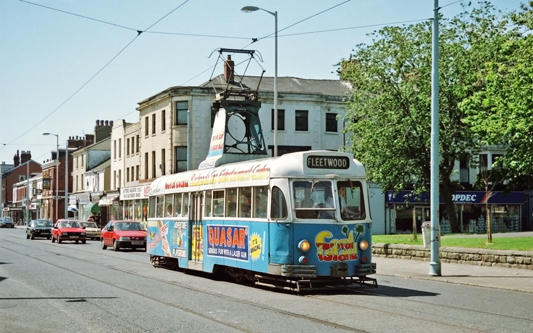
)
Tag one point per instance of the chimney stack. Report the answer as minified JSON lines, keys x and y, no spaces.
{"x":16,"y":159}
{"x":25,"y":156}
{"x":229,"y":70}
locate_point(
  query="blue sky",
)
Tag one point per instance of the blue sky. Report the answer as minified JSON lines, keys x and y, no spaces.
{"x":61,"y":72}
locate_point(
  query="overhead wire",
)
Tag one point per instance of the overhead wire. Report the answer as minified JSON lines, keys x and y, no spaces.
{"x":139,"y":32}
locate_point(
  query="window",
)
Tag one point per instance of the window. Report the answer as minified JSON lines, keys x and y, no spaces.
{"x":138,"y":143}
{"x":77,"y":157}
{"x":77,"y":184}
{"x":137,"y":172}
{"x":483,"y":162}
{"x":153,"y":164}
{"x":119,"y":148}
{"x":82,"y":160}
{"x":464,"y":171}
{"x":153,"y":123}
{"x":146,"y":123}
{"x":132,"y":145}
{"x":331,"y":122}
{"x":146,"y":165}
{"x":82,"y":185}
{"x":245,"y":201}
{"x":119,"y":177}
{"x":181,"y":112}
{"x":114,"y":149}
{"x":133,"y":173}
{"x":114,"y":179}
{"x":281,"y":120}
{"x":260,"y":198}
{"x":180,"y":153}
{"x":128,"y":147}
{"x":218,"y":203}
{"x":163,"y":162}
{"x":278,"y":204}
{"x":495,"y":158}
{"x":163,"y":121}
{"x":207,"y":204}
{"x":177,"y":204}
{"x":301,"y":120}
{"x":127,"y":174}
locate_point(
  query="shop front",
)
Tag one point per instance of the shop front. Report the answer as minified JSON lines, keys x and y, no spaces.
{"x":508,"y":211}
{"x":110,"y":208}
{"x":135,"y":202}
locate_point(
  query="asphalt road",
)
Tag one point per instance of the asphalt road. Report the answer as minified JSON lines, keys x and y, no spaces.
{"x":69,"y":287}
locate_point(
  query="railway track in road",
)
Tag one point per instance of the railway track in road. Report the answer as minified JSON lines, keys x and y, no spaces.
{"x":430,"y":315}
{"x":332,"y":325}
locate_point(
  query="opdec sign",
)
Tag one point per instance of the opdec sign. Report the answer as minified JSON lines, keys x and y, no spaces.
{"x":464,"y":197}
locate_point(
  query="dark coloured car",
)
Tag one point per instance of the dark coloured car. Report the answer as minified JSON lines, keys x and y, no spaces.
{"x":6,"y":222}
{"x":124,"y":234}
{"x":39,"y":228}
{"x":68,"y":230}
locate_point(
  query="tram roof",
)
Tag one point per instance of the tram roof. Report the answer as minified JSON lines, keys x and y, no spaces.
{"x":257,"y":172}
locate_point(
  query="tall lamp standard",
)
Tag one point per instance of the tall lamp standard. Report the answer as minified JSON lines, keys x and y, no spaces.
{"x":57,"y":169}
{"x":66,"y":181}
{"x":249,"y":9}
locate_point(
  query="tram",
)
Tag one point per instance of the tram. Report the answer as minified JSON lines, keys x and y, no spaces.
{"x":297,"y":221}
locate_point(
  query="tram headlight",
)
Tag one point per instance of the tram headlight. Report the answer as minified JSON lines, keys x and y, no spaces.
{"x":304,"y":245}
{"x":363,"y":245}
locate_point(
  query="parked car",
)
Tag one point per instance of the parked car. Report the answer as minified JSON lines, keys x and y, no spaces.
{"x":91,"y":229}
{"x":6,"y":222}
{"x":39,"y":228}
{"x":68,"y":230}
{"x":124,"y":234}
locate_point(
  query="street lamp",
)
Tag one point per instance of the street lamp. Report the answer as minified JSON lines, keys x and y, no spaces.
{"x":66,"y":181}
{"x":57,"y":170}
{"x":249,"y":9}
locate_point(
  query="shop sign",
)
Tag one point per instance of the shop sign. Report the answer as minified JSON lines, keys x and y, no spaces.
{"x":461,"y":197}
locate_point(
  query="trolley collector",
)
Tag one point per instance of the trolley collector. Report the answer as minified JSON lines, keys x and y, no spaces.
{"x":297,"y":221}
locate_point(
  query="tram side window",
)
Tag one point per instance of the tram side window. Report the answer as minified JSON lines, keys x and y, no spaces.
{"x":151,"y":207}
{"x":245,"y":201}
{"x":185,"y":209}
{"x":177,"y":204}
{"x":218,"y":203}
{"x":305,"y":200}
{"x":260,"y":201}
{"x":278,"y":204}
{"x":207,"y":204}
{"x":160,"y":206}
{"x":231,"y":202}
{"x":168,"y":204}
{"x":351,"y":200}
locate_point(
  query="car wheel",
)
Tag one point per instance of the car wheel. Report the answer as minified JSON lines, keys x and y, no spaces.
{"x":48,"y":237}
{"x":115,"y":246}
{"x":32,"y":237}
{"x":59,"y":239}
{"x":103,"y":245}
{"x":27,"y":236}
{"x":53,"y":239}
{"x":77,"y":242}
{"x":83,"y":242}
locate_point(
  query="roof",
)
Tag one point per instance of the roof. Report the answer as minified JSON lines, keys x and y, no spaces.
{"x":285,"y":85}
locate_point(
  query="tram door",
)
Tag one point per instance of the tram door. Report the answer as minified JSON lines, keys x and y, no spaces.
{"x":196,"y":254}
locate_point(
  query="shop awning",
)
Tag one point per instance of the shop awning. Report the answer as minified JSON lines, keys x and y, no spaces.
{"x":107,"y":200}
{"x":92,"y":207}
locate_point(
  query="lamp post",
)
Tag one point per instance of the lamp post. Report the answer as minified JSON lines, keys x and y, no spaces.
{"x":249,"y":9}
{"x":66,"y":181}
{"x":57,"y":169}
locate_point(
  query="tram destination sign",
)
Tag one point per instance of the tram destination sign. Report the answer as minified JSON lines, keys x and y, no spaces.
{"x":328,"y":162}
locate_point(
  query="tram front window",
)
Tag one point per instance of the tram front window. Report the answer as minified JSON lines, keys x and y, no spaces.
{"x":351,"y":200}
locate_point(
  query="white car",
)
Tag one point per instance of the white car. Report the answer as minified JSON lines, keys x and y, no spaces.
{"x":91,"y":229}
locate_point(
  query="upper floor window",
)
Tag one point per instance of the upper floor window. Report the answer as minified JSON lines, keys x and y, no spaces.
{"x":114,"y":149}
{"x":301,"y":120}
{"x":483,"y":162}
{"x":163,"y":121}
{"x":119,"y":148}
{"x":146,"y":126}
{"x":138,"y":143}
{"x":181,"y":112}
{"x":128,"y":147}
{"x":180,"y":163}
{"x":331,"y":122}
{"x":153,"y":123}
{"x":281,"y":120}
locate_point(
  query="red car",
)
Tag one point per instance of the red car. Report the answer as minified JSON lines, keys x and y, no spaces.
{"x":68,"y":230}
{"x":124,"y":234}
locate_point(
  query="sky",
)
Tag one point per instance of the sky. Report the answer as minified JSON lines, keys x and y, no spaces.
{"x":66,"y":63}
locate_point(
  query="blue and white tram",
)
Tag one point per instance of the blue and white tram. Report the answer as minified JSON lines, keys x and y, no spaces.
{"x":296,"y":221}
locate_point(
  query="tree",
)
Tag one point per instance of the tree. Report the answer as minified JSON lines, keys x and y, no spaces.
{"x":388,"y":117}
{"x":501,"y":113}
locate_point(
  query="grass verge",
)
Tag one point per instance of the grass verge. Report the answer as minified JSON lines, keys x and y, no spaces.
{"x":503,"y":243}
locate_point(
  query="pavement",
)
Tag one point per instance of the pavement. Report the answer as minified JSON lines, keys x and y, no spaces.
{"x":462,"y":274}
{"x":465,"y":274}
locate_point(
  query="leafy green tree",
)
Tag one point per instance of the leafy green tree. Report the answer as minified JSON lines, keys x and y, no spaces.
{"x":388,"y":117}
{"x":502,"y":112}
